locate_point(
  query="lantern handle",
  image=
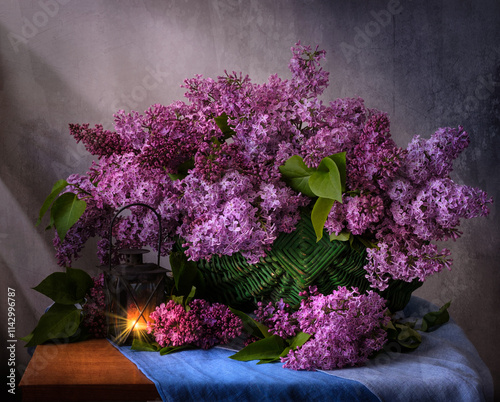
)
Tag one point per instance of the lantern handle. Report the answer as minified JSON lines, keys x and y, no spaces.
{"x":138,"y":204}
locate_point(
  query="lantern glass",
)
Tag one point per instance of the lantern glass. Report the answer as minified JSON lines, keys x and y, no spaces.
{"x":132,"y":292}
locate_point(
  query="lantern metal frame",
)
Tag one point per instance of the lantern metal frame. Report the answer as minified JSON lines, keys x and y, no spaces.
{"x":120,"y":279}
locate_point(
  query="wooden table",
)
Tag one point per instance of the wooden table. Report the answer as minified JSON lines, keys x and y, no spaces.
{"x":92,"y":370}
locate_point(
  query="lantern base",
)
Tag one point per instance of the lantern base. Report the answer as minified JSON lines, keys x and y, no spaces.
{"x":132,"y":294}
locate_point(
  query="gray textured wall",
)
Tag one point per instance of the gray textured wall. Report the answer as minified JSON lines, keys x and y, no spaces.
{"x":427,"y":63}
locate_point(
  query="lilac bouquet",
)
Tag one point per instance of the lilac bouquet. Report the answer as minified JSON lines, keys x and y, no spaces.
{"x":237,"y":165}
{"x":326,"y":332}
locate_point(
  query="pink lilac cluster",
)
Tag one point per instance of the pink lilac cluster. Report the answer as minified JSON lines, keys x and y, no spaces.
{"x":97,"y":140}
{"x":346,"y":327}
{"x":202,"y":324}
{"x":220,"y":191}
{"x":279,"y":317}
{"x":94,"y":313}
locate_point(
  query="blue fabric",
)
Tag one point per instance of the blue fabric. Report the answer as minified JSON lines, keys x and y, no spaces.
{"x":209,"y":375}
{"x":446,"y":367}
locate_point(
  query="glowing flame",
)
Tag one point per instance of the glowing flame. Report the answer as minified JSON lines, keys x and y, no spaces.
{"x":136,"y":322}
{"x":130,"y":323}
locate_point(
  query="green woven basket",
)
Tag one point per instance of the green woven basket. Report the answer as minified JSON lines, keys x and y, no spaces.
{"x":295,"y":262}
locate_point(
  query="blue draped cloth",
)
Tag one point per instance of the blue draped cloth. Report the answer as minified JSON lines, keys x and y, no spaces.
{"x":445,"y":367}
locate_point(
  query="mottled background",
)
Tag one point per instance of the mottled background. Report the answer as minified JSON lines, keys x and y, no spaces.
{"x":427,"y":63}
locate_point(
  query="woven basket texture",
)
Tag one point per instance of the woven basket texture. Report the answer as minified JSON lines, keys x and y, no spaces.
{"x":295,"y":262}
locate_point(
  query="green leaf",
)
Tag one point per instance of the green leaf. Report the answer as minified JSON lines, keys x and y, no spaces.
{"x":365,"y":242}
{"x":252,"y":327}
{"x":172,"y":349}
{"x":51,"y":223}
{"x":190,"y":296}
{"x":340,"y":161}
{"x":67,"y":288}
{"x":271,"y":360}
{"x":264,"y":330}
{"x":66,"y":211}
{"x":295,"y":342}
{"x":221,"y":122}
{"x":144,"y":346}
{"x":80,"y":281}
{"x":408,"y":337}
{"x":319,"y":214}
{"x":59,"y":186}
{"x":178,"y":299}
{"x":434,"y":319}
{"x":175,"y":177}
{"x":182,"y":170}
{"x":299,"y":339}
{"x":326,"y":182}
{"x":296,"y":174}
{"x":342,"y":236}
{"x":61,"y":321}
{"x":392,"y":332}
{"x":264,"y":349}
{"x":184,"y":272}
{"x":27,"y":338}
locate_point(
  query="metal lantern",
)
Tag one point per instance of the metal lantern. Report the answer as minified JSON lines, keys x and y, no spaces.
{"x":133,"y":290}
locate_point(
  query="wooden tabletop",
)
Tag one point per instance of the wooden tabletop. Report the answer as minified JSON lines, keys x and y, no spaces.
{"x":92,"y":370}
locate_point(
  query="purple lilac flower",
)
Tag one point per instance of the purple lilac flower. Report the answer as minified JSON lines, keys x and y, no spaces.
{"x":233,"y":215}
{"x":402,"y":255}
{"x":278,"y":317}
{"x":362,"y":212}
{"x":202,"y":325}
{"x":308,"y":76}
{"x":98,"y":141}
{"x":433,"y":158}
{"x":93,"y":221}
{"x":130,"y":128}
{"x":346,"y":327}
{"x":217,"y":325}
{"x":175,"y":133}
{"x":375,"y":159}
{"x":336,"y":220}
{"x":94,"y":309}
{"x":171,"y":325}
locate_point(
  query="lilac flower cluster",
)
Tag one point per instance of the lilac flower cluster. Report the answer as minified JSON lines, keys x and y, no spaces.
{"x":97,"y":141}
{"x":279,"y":317}
{"x":94,"y":315}
{"x":346,"y":327}
{"x":399,"y":199}
{"x":423,"y":204}
{"x":223,"y":195}
{"x":233,"y":198}
{"x":202,"y":324}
